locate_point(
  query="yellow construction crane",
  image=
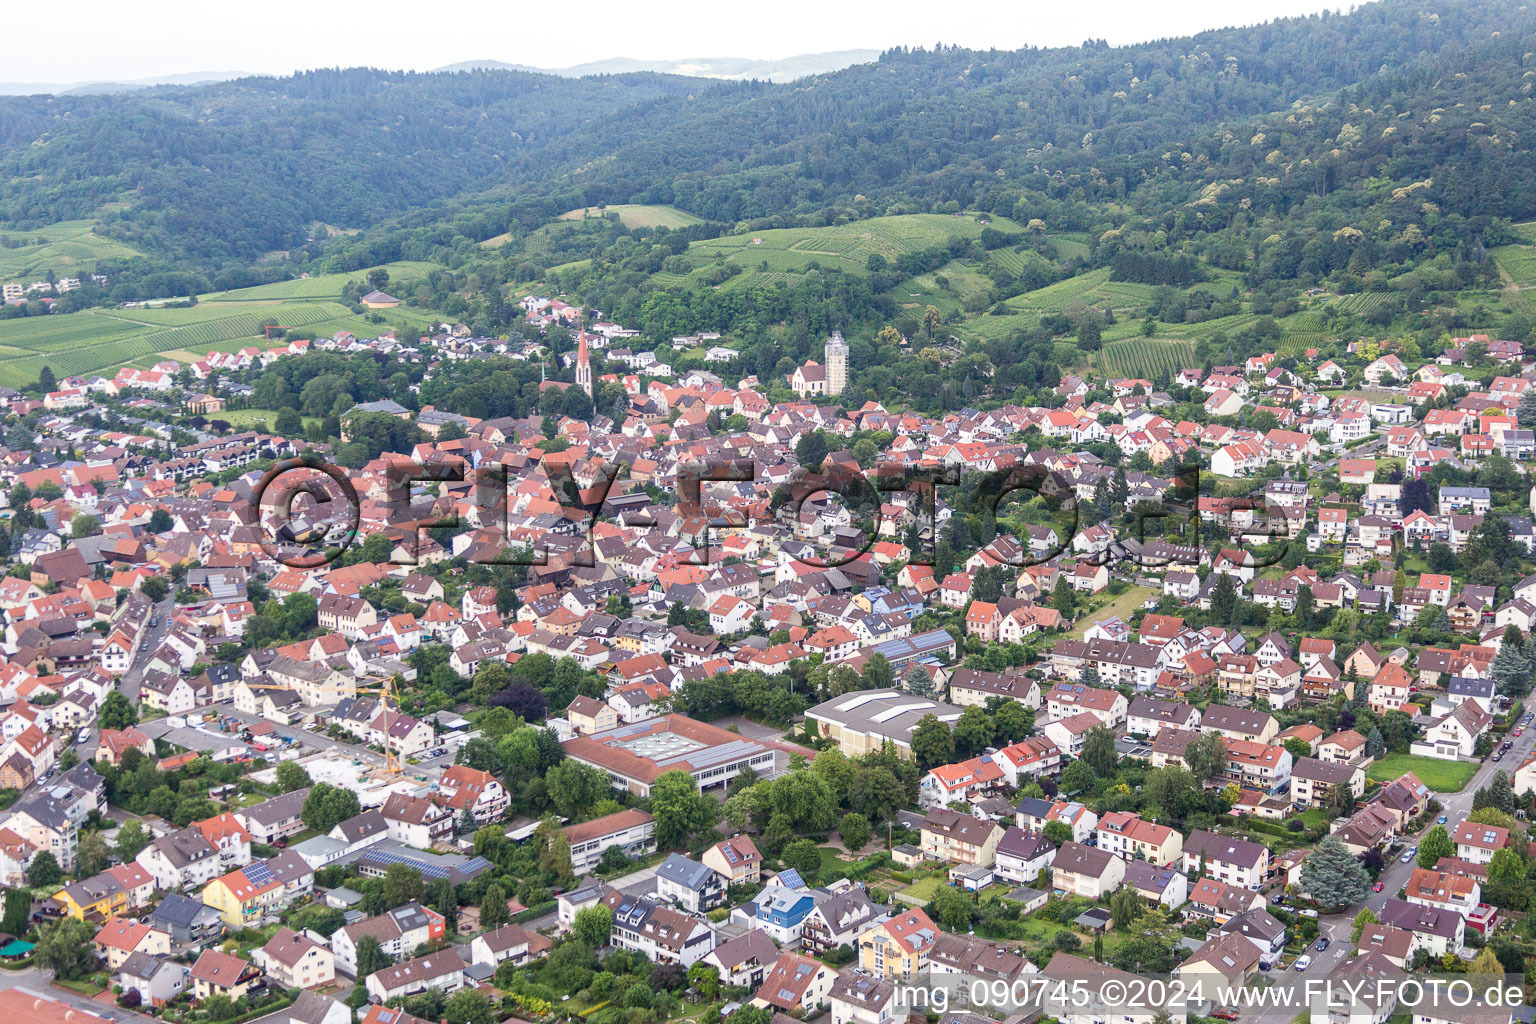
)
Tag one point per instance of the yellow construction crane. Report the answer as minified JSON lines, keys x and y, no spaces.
{"x":389,"y":703}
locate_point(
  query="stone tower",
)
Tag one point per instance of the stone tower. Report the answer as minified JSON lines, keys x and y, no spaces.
{"x":837,"y":363}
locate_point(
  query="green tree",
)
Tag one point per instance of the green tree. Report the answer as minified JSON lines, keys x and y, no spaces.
{"x":371,"y":957}
{"x":18,"y":910}
{"x":1435,"y":845}
{"x":680,"y":809}
{"x":83,"y":525}
{"x":1365,"y":917}
{"x":1206,"y":756}
{"x":1485,"y":963}
{"x":67,"y":948}
{"x":131,"y":839}
{"x":1125,"y":905}
{"x":876,"y":793}
{"x":44,"y":871}
{"x":327,"y":806}
{"x":855,"y":830}
{"x":1058,"y":832}
{"x":1223,"y":600}
{"x":288,"y":422}
{"x":1498,"y":794}
{"x":1064,"y":598}
{"x":574,"y":787}
{"x":878,"y":674}
{"x":593,"y":926}
{"x":918,"y":682}
{"x":117,"y":712}
{"x":493,"y":908}
{"x":951,"y":908}
{"x":402,"y":885}
{"x":1078,"y":777}
{"x":973,"y":731}
{"x":1099,"y":752}
{"x":932,"y":743}
{"x":291,"y":776}
{"x":1507,"y":887}
{"x":804,"y":856}
{"x":1012,"y":722}
{"x":1333,"y":876}
{"x":91,"y":854}
{"x":469,"y":1006}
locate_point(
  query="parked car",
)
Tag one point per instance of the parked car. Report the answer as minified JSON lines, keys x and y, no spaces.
{"x":1277,"y":899}
{"x":1377,"y":887}
{"x":1303,"y":963}
{"x":1323,"y":944}
{"x":1440,"y":820}
{"x":1517,"y":731}
{"x":1406,"y":857}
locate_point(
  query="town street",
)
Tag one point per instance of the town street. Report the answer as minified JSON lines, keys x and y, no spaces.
{"x":1455,"y":807}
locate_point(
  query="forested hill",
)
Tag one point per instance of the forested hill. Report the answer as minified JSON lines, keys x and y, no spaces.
{"x":229,"y":172}
{"x":1432,"y":96}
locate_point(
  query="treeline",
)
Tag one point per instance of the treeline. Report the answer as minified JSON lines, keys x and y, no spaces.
{"x":1155,"y":268}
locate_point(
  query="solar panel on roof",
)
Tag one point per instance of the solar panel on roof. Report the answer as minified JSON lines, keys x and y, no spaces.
{"x":257,"y":873}
{"x":790,"y":878}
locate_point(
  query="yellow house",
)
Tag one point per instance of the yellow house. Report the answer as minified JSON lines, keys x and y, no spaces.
{"x":239,"y":899}
{"x":98,"y":898}
{"x":588,"y":715}
{"x":898,"y":948}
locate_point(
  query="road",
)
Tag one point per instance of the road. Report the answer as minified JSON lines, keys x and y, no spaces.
{"x":1455,"y":807}
{"x":129,"y":683}
{"x":37,"y":982}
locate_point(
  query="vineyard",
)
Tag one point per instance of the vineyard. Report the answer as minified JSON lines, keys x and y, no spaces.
{"x":1146,"y":358}
{"x":1518,"y":261}
{"x":849,"y":246}
{"x":99,"y":341}
{"x":323,"y":286}
{"x":68,"y":248}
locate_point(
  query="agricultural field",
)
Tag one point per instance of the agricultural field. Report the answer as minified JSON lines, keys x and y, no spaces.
{"x":849,"y":246}
{"x":1145,"y":358}
{"x":322,"y":286}
{"x":1517,"y":261}
{"x":68,"y":248}
{"x":635,"y":215}
{"x":101,"y":340}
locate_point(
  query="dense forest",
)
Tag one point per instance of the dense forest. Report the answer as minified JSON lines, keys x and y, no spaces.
{"x":1298,"y":110}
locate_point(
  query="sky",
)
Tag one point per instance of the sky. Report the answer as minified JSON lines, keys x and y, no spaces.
{"x":107,"y":40}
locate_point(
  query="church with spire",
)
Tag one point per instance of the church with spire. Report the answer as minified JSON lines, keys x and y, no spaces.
{"x":583,"y":366}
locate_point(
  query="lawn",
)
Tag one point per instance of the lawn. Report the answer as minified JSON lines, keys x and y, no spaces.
{"x":922,"y":890}
{"x":1122,"y":606}
{"x":1440,"y":776}
{"x":245,"y":419}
